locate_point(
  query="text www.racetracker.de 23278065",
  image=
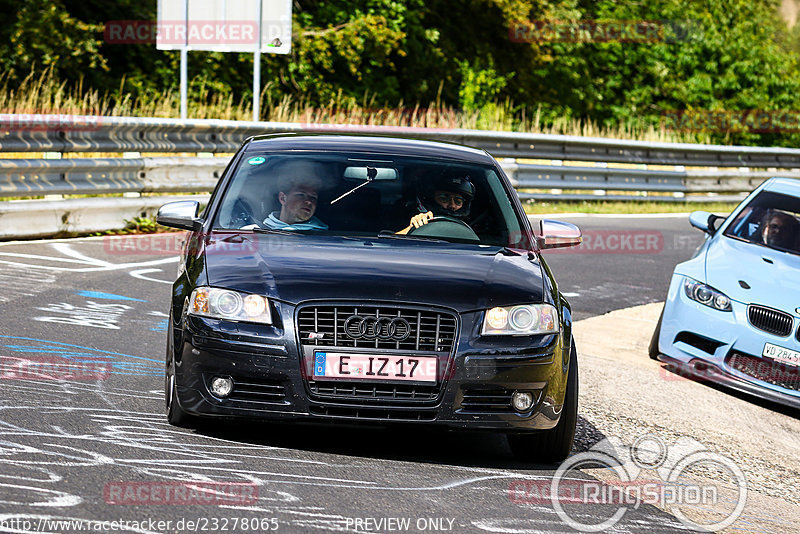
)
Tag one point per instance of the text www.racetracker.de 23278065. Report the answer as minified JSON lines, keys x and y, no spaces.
{"x":18,"y":523}
{"x":32,"y":523}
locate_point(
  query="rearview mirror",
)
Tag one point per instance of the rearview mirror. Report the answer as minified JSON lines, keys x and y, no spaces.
{"x":558,"y":234}
{"x":370,"y":173}
{"x":181,"y":214}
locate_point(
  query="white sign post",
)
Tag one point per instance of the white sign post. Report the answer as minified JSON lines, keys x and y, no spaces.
{"x":225,"y":26}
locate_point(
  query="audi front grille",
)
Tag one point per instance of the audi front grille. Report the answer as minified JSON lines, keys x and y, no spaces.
{"x":770,"y":320}
{"x":383,"y":328}
{"x":377,"y":327}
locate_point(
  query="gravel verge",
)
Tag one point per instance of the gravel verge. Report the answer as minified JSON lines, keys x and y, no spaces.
{"x":624,"y":393}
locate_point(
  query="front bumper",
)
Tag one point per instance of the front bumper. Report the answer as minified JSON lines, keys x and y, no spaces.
{"x":268,"y":367}
{"x":725,"y":349}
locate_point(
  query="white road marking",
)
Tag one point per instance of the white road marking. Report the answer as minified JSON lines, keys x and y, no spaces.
{"x":67,"y":250}
{"x":140,"y":275}
{"x":70,"y":256}
{"x":110,"y":267}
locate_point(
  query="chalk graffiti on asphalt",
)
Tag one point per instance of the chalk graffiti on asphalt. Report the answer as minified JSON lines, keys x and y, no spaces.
{"x":93,"y":314}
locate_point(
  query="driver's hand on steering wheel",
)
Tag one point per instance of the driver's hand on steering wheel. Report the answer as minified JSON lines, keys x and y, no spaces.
{"x":422,"y":219}
{"x":417,"y":221}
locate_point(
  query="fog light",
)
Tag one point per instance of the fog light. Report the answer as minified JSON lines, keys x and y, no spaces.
{"x":221,"y":386}
{"x":522,"y":400}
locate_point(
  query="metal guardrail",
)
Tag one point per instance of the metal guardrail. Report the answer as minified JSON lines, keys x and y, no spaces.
{"x":21,"y":178}
{"x":35,"y":177}
{"x":44,"y":133}
{"x":45,"y":218}
{"x":711,"y":168}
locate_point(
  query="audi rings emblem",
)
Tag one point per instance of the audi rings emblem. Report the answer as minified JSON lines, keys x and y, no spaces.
{"x":383,"y":328}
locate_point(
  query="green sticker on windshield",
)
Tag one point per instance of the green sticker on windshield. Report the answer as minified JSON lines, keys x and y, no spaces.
{"x":256,"y":161}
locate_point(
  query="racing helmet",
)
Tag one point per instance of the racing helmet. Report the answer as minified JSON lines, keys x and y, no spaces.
{"x":455,"y":183}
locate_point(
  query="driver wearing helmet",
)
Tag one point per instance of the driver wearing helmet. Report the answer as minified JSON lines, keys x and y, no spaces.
{"x":445,"y":197}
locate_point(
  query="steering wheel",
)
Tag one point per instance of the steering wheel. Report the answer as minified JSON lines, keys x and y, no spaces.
{"x":241,"y":214}
{"x":446,"y":227}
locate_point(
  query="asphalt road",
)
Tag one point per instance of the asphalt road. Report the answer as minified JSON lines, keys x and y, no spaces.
{"x":73,"y":449}
{"x":624,"y":260}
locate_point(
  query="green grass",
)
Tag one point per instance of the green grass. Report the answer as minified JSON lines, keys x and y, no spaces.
{"x":619,"y":207}
{"x":42,"y":93}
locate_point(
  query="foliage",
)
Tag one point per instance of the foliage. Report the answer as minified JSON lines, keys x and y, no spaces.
{"x":366,"y":58}
{"x":138,"y":225}
{"x":45,"y":34}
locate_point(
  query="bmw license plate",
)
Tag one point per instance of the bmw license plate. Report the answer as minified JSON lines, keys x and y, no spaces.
{"x":781,"y":354}
{"x":355,"y":366}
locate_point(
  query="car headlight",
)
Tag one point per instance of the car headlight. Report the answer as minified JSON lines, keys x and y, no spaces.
{"x":706,"y":295}
{"x":230,"y":305}
{"x":526,"y":319}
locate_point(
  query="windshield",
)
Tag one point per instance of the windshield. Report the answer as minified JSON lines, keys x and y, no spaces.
{"x":363,"y":195}
{"x":770,"y":220}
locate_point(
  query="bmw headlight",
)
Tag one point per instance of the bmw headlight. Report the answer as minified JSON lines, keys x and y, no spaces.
{"x":230,"y":305}
{"x":526,"y":319}
{"x":706,"y":295}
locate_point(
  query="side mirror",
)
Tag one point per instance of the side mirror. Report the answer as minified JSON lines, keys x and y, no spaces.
{"x":707,"y":222}
{"x":557,"y":234}
{"x":182,"y":214}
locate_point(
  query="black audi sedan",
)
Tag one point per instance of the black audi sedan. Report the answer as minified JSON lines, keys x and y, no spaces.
{"x":371,"y":280}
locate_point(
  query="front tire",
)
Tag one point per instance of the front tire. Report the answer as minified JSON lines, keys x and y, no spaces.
{"x":176,"y":416}
{"x":552,"y":446}
{"x":653,"y":350}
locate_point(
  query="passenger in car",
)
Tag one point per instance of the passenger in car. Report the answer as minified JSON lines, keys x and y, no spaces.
{"x":447,"y":196}
{"x":298,"y":195}
{"x":780,"y":229}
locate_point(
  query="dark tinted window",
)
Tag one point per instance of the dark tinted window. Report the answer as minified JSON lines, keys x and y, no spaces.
{"x":771,"y":220}
{"x":360,"y":195}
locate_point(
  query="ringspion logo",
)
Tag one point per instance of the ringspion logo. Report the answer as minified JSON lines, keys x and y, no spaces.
{"x":704,"y":490}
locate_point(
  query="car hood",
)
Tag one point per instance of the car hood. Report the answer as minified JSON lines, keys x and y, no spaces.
{"x":298,"y":268}
{"x":772,"y":275}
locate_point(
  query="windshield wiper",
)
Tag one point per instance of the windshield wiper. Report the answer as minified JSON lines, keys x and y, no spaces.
{"x":387,"y":234}
{"x":505,"y":251}
{"x":260,"y":230}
